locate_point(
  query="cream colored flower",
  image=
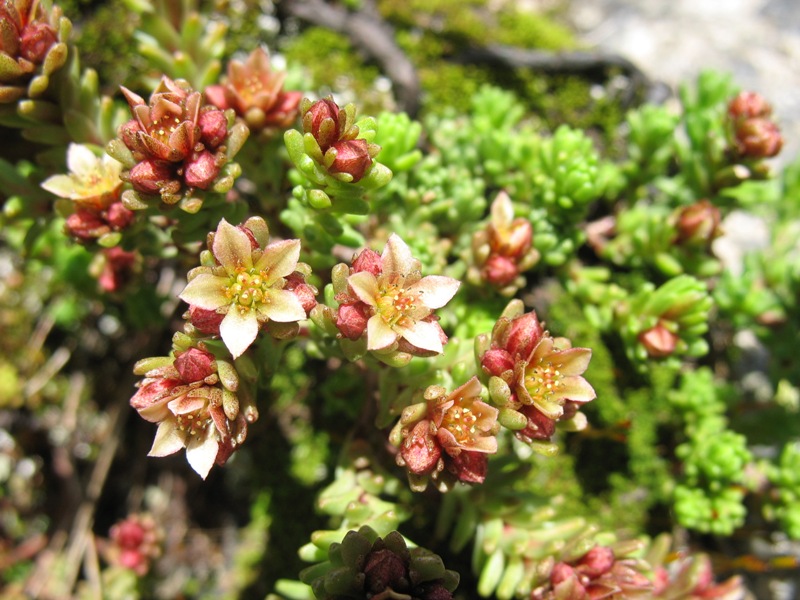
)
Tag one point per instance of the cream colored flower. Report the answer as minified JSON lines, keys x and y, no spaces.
{"x":93,"y":182}
{"x":246,"y":286}
{"x":401,"y":299}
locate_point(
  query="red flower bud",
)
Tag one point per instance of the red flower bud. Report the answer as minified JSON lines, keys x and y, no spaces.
{"x":659,"y":341}
{"x":420,"y":450}
{"x":36,"y":40}
{"x":500,"y":270}
{"x":539,"y":427}
{"x":352,"y":157}
{"x":748,"y":105}
{"x":497,"y":361}
{"x":351,"y":320}
{"x":117,"y":268}
{"x":149,"y":176}
{"x":384,"y":569}
{"x":561,"y":572}
{"x":205,"y":321}
{"x":284,"y":111}
{"x":118,"y":216}
{"x":596,"y":562}
{"x":201,"y":171}
{"x":213,"y":128}
{"x":86,"y":225}
{"x":698,"y":224}
{"x":469,"y":467}
{"x":368,"y":260}
{"x":195,"y":365}
{"x":322,"y":121}
{"x":524,"y":333}
{"x":306,"y":294}
{"x":758,"y":138}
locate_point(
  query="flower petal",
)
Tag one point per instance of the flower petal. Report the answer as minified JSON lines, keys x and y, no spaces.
{"x":436,"y":290}
{"x":232,"y":247}
{"x":424,"y":335}
{"x":577,"y":389}
{"x":169,"y":439}
{"x":206,"y":291}
{"x":571,"y":362}
{"x":80,"y":160}
{"x":201,"y":451}
{"x":239,"y":330}
{"x":279,"y":260}
{"x":282,"y":306}
{"x":379,"y":334}
{"x":396,"y":257}
{"x":62,"y":186}
{"x":365,"y":286}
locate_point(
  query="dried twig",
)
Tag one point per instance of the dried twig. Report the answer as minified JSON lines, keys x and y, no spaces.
{"x":369,"y":32}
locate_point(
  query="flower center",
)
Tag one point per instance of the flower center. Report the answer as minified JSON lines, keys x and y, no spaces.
{"x":543,"y":382}
{"x":248,"y":289}
{"x":460,"y":421}
{"x":395,"y":304}
{"x":164,"y":127}
{"x":194,"y":422}
{"x":252,"y":86}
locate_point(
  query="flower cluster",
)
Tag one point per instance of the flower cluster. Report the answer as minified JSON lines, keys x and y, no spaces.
{"x":193,"y":397}
{"x":94,"y":186}
{"x":502,"y":251}
{"x":385,"y":299}
{"x":32,"y":48}
{"x":596,"y":574}
{"x":446,"y":438}
{"x":133,"y":543}
{"x":255,"y":92}
{"x":336,"y":145}
{"x":247,"y":282}
{"x":175,"y":144}
{"x":534,"y":375}
{"x":755,"y":134}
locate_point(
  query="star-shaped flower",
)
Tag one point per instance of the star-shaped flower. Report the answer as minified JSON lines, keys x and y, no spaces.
{"x":401,"y":300}
{"x":92,"y":182}
{"x":247,"y":285}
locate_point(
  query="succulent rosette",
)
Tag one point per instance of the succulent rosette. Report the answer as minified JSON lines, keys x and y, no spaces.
{"x":503,"y":250}
{"x":534,"y":375}
{"x":32,"y":48}
{"x":175,"y":145}
{"x":193,"y":398}
{"x":250,"y":282}
{"x":255,"y":92}
{"x":385,"y":299}
{"x":365,"y":565}
{"x":448,"y":437}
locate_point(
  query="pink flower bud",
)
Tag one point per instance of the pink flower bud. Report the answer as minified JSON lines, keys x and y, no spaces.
{"x":128,"y":133}
{"x":195,"y":365}
{"x":561,"y":572}
{"x":118,"y":216}
{"x":201,"y":171}
{"x":306,"y":294}
{"x":213,"y":128}
{"x":284,"y":111}
{"x":86,"y":225}
{"x":117,"y":269}
{"x":596,"y":562}
{"x":420,"y":450}
{"x":36,"y":40}
{"x":368,"y":260}
{"x":322,"y":121}
{"x":512,"y":241}
{"x":205,"y":321}
{"x":351,"y":320}
{"x":748,"y":105}
{"x":500,"y":270}
{"x":659,"y":341}
{"x":758,"y":138}
{"x":352,"y":157}
{"x":497,"y":361}
{"x":539,"y":427}
{"x":524,"y":333}
{"x":149,"y":176}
